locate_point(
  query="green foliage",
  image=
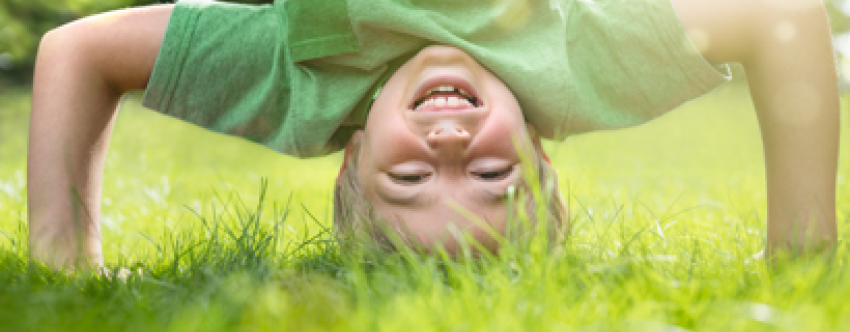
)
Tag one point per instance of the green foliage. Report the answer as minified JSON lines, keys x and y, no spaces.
{"x":838,"y":20}
{"x":25,"y":21}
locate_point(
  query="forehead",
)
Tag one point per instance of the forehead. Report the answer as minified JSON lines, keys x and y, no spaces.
{"x":457,"y":195}
{"x":438,"y":218}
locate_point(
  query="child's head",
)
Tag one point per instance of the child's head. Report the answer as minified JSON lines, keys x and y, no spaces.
{"x":442,"y":140}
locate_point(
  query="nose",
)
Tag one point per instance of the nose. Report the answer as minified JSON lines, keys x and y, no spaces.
{"x":448,"y":138}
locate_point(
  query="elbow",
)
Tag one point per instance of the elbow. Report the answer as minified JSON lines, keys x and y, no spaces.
{"x":788,"y":27}
{"x":786,"y":21}
{"x":71,"y":54}
{"x":59,"y":48}
{"x":63,"y":39}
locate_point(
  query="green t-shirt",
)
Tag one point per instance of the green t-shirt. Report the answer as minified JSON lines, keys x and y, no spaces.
{"x":297,"y":75}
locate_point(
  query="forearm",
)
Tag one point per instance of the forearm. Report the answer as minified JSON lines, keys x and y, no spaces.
{"x":800,"y":150}
{"x":81,"y":72}
{"x":71,"y":118}
{"x":794,"y":86}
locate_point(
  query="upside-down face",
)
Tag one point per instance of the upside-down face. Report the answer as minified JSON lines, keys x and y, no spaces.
{"x":442,"y":144}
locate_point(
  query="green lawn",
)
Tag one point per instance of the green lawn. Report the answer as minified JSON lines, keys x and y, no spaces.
{"x":666,"y":219}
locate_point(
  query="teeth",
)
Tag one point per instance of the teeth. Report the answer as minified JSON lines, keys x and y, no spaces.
{"x":440,"y":102}
{"x":442,"y":88}
{"x":449,"y":88}
{"x":453,"y":101}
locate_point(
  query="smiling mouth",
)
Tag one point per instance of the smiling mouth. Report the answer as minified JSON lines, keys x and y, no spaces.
{"x":445,"y":97}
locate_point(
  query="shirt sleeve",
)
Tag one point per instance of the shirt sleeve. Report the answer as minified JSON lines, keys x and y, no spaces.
{"x":631,"y":61}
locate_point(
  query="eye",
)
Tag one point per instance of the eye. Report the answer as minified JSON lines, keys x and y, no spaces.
{"x":494,"y":175}
{"x":410,"y":178}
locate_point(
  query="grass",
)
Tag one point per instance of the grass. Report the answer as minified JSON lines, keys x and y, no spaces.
{"x":231,"y":236}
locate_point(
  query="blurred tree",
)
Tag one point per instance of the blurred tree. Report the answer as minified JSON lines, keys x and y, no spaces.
{"x":839,"y":20}
{"x":23,"y":22}
{"x":838,"y":11}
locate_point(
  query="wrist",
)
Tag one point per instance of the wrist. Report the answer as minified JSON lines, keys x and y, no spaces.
{"x":60,"y":250}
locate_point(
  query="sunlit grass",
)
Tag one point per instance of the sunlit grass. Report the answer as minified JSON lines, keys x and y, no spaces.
{"x":232,"y":236}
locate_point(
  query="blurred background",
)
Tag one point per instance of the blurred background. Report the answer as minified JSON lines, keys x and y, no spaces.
{"x":23,"y":22}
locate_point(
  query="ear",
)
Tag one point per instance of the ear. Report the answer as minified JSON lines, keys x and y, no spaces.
{"x":535,"y":139}
{"x":352,"y":145}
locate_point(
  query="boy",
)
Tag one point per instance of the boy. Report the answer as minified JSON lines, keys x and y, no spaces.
{"x":440,"y":133}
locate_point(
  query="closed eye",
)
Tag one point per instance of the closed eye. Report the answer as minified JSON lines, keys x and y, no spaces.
{"x":494,"y":175}
{"x":409,"y":178}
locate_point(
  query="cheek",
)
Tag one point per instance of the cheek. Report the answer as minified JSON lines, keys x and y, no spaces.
{"x":500,"y":136}
{"x":506,"y":125}
{"x":391,"y":143}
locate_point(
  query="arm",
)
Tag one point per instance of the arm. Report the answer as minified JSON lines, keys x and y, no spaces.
{"x":786,"y":50}
{"x":81,"y":72}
